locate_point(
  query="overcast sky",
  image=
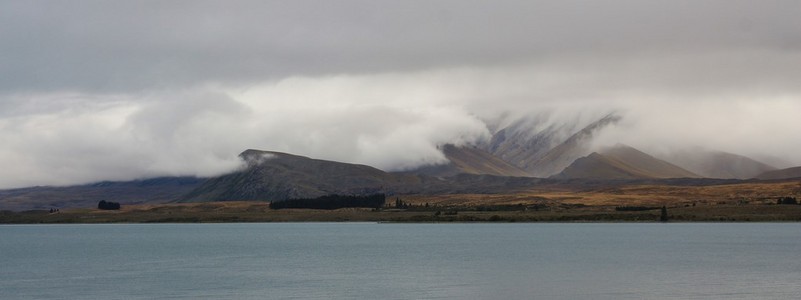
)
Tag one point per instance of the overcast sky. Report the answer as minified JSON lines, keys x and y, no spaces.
{"x":117,"y":90}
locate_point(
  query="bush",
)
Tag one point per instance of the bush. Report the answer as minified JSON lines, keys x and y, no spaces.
{"x":787,"y":200}
{"x":108,"y":205}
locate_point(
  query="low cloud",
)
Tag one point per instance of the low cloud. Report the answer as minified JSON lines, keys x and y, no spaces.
{"x":396,"y":121}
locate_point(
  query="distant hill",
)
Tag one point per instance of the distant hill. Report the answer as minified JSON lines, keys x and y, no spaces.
{"x":146,"y":191}
{"x":622,"y":162}
{"x":788,"y":173}
{"x":275,"y":176}
{"x":718,"y":164}
{"x":278,"y":176}
{"x":471,"y":160}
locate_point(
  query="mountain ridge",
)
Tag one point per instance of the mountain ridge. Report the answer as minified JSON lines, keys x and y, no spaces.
{"x":622,"y":162}
{"x":717,"y":164}
{"x":788,"y":173}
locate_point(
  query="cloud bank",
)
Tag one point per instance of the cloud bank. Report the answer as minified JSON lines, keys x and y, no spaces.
{"x":114,"y":91}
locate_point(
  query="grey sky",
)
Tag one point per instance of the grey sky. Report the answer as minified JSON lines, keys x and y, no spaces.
{"x":131,"y":45}
{"x":93,"y":90}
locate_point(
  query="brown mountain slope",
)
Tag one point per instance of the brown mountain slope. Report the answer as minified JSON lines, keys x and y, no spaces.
{"x":578,"y":145}
{"x":623,"y":162}
{"x":718,"y":164}
{"x":471,"y":160}
{"x":788,"y":173}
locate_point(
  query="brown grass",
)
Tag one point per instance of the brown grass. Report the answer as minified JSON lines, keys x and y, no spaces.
{"x":636,"y":195}
{"x":733,"y":202}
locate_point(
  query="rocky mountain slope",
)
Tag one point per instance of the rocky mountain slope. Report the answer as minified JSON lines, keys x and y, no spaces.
{"x":576,"y":146}
{"x":471,"y":160}
{"x":525,"y":141}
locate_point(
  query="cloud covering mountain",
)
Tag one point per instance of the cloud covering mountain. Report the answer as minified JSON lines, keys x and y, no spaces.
{"x":122,"y":90}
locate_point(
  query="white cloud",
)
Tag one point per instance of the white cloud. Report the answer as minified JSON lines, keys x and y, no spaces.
{"x":394,"y":121}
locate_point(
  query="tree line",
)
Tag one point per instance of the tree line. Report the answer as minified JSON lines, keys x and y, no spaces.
{"x":332,"y":202}
{"x":635,"y":208}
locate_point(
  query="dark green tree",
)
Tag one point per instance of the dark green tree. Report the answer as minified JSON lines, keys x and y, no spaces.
{"x":108,"y":205}
{"x":663,"y":216}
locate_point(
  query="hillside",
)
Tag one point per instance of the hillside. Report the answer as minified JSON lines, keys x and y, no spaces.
{"x":271,"y":176}
{"x":718,"y":164}
{"x":788,"y":173}
{"x":471,"y":160}
{"x":147,"y":191}
{"x":622,"y":162}
{"x":278,"y":176}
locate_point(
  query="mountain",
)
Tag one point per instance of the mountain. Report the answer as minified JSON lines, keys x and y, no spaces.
{"x":471,"y":160}
{"x":788,"y":173}
{"x":622,"y":162}
{"x":275,"y":176}
{"x":146,"y":191}
{"x":576,"y":146}
{"x":525,"y":141}
{"x":279,"y":176}
{"x":718,"y":164}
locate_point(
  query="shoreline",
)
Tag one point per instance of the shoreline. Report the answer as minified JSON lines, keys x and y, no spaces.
{"x":258,"y":212}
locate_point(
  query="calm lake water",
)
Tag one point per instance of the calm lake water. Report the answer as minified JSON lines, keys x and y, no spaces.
{"x":401,"y":261}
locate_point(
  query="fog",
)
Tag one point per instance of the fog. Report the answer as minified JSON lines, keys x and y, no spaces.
{"x":97,"y":91}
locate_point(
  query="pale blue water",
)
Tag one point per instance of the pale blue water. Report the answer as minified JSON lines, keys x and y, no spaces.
{"x":401,"y":261}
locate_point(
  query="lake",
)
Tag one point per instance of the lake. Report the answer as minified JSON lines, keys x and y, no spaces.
{"x":401,"y":261}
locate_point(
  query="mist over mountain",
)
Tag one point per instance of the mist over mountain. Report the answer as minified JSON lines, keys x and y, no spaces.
{"x":276,"y":176}
{"x":577,"y":145}
{"x":544,"y":148}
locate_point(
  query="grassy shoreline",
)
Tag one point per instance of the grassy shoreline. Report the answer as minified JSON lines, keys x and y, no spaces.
{"x":234,"y":212}
{"x":741,"y":202}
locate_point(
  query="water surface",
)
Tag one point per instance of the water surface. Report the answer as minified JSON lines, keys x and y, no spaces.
{"x":400,"y":261}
